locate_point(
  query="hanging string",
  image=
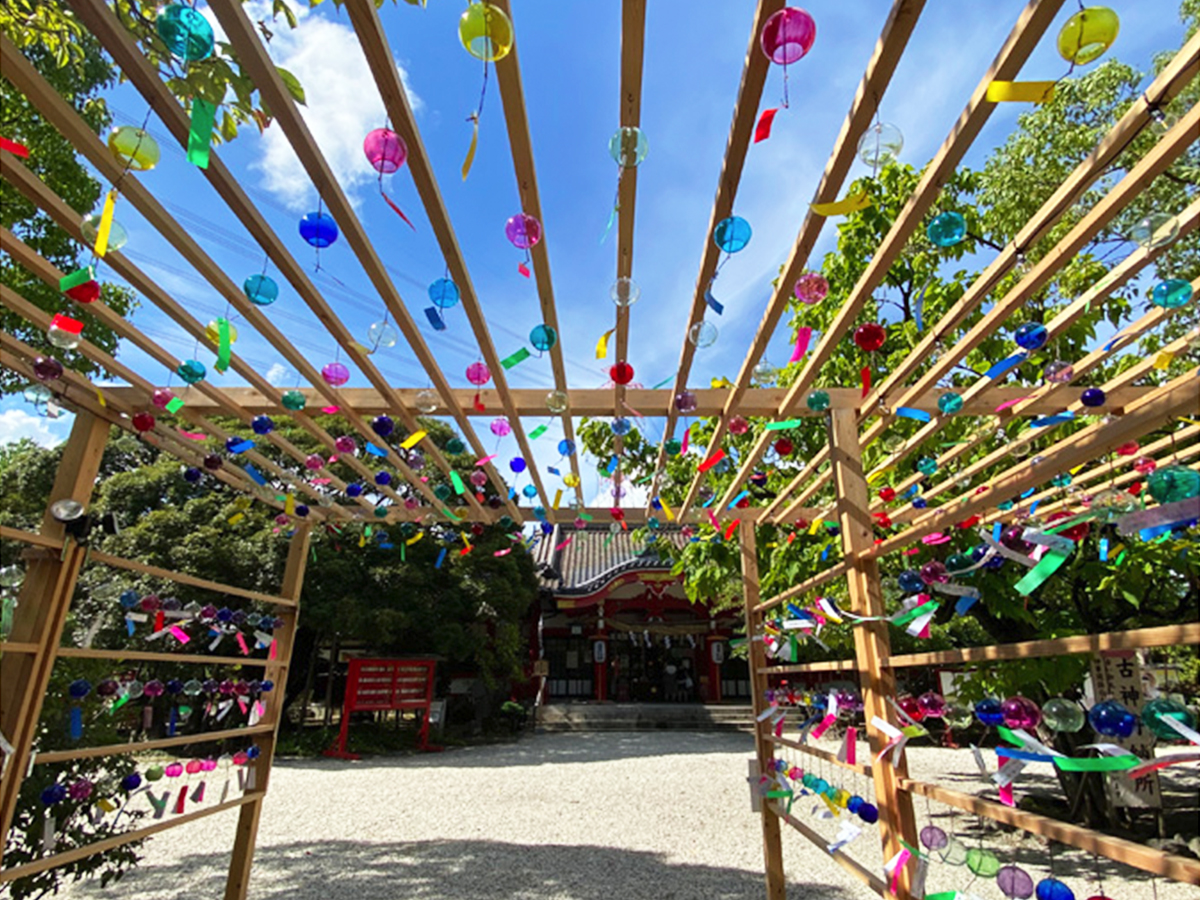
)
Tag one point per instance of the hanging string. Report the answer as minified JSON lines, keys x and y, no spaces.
{"x":474,"y":119}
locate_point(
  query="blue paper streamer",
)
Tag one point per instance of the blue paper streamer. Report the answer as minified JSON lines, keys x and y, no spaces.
{"x":375,"y":451}
{"x":241,"y":446}
{"x":1004,"y":365}
{"x":612,"y":464}
{"x":1057,"y":419}
{"x":997,"y":529}
{"x":907,"y":412}
{"x":738,"y":499}
{"x":1028,"y":493}
{"x":714,"y":303}
{"x":441,"y":559}
{"x":552,"y":470}
{"x":1033,"y":506}
{"x":435,"y":318}
{"x":1103,"y":549}
{"x":964,"y":603}
{"x":254,"y":474}
{"x":709,"y":502}
{"x":918,"y":308}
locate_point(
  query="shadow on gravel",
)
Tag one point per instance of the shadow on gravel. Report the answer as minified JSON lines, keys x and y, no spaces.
{"x":550,"y":749}
{"x":454,"y":870}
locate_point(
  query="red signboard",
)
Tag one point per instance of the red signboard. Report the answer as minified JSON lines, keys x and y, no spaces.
{"x":377,"y":685}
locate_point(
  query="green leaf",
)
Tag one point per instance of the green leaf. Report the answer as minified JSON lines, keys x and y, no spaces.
{"x":281,"y":6}
{"x":292,"y":84}
{"x":229,"y":128}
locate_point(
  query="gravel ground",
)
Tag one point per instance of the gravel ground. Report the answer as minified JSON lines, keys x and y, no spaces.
{"x":602,"y":816}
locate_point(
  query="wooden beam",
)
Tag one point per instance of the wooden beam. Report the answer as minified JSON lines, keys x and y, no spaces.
{"x":811,"y":750}
{"x":772,"y":845}
{"x":235,"y":734}
{"x":1025,"y":35}
{"x":855,"y":868}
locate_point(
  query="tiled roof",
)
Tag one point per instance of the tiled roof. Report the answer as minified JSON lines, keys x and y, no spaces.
{"x":591,"y":558}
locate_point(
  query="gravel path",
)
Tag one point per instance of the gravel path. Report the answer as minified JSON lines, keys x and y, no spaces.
{"x":607,"y":816}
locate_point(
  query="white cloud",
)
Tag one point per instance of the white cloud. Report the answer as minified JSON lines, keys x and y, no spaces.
{"x":17,"y":423}
{"x":342,"y":104}
{"x":276,"y":374}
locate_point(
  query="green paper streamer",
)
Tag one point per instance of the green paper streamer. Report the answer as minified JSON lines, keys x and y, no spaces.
{"x":779,"y":426}
{"x":1047,"y":566}
{"x":452,"y":515}
{"x":537,"y":432}
{"x":223,"y":345}
{"x":520,"y":356}
{"x":943,"y":895}
{"x":663,"y":383}
{"x":1102,"y":764}
{"x":456,"y":479}
{"x":931,"y":606}
{"x":174,"y":405}
{"x":204,"y":114}
{"x":608,"y":540}
{"x":76,"y":278}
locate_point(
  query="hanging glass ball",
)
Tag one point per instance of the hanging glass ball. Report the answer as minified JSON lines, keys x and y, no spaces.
{"x":1107,"y":717}
{"x":1031,"y":336}
{"x":810,"y":288}
{"x":788,"y":35}
{"x":335,"y":374}
{"x":444,"y":293}
{"x":543,"y":337}
{"x":385,"y":150}
{"x":426,"y":401}
{"x":557,"y":402}
{"x":950,"y":403}
{"x":703,"y":334}
{"x":620,"y":426}
{"x":260,"y":290}
{"x":732,"y":234}
{"x":628,"y":147}
{"x":982,"y":863}
{"x":1053,"y":889}
{"x":382,"y":478}
{"x":1020,"y":712}
{"x":1172,"y":483}
{"x":345,"y":444}
{"x":1158,"y":711}
{"x":686,"y":402}
{"x":314,"y":461}
{"x":486,"y":32}
{"x":500,"y":427}
{"x":37,"y":394}
{"x":191,"y":371}
{"x":933,"y":705}
{"x":262,"y":425}
{"x":383,"y":425}
{"x":118,"y":237}
{"x":673,"y":447}
{"x":947,"y":229}
{"x":523,"y":231}
{"x":571,"y":480}
{"x":738,"y":425}
{"x":625,"y":292}
{"x":927,"y":465}
{"x":934,"y":572}
{"x":143,"y":422}
{"x":783,"y":447}
{"x":187,"y":34}
{"x":1092,"y":397}
{"x":479,"y":478}
{"x":988,"y":712}
{"x":134,"y":148}
{"x":318,"y":229}
{"x":933,"y":838}
{"x":1084,"y":38}
{"x":212,"y":462}
{"x":517,"y":464}
{"x":1014,"y":882}
{"x":766,"y":374}
{"x":1061,"y":714}
{"x":1144,"y":465}
{"x":621,"y":372}
{"x":817,"y":401}
{"x":958,"y":716}
{"x":529,"y":491}
{"x":478,"y":374}
{"x":63,"y":338}
{"x":381,"y":334}
{"x":293,"y":400}
{"x":1171,"y":294}
{"x":880,"y":144}
{"x":1058,"y":372}
{"x":455,"y":446}
{"x":566,"y":447}
{"x":1110,"y":504}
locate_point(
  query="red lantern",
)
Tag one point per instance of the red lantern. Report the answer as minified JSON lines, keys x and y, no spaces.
{"x":621,"y":372}
{"x":143,"y":421}
{"x":887,"y":494}
{"x":869,"y":337}
{"x":784,"y":447}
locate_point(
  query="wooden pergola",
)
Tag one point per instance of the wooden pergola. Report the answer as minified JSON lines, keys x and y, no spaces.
{"x":853,"y":421}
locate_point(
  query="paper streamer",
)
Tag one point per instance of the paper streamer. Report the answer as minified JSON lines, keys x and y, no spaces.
{"x":687,"y":433}
{"x":1005,"y":365}
{"x":714,"y":304}
{"x":192,"y":435}
{"x":779,"y":426}
{"x":224,"y":343}
{"x":254,"y":474}
{"x":1020,"y":91}
{"x":602,"y":344}
{"x":520,"y":356}
{"x":456,"y":480}
{"x":441,"y":558}
{"x":106,"y":220}
{"x":204,"y":115}
{"x":1046,"y":566}
{"x":14,"y":148}
{"x":711,"y":461}
{"x":766,"y":119}
{"x":865,"y":374}
{"x":174,"y":405}
{"x":466,"y":166}
{"x":412,"y":440}
{"x":851,"y":203}
{"x":435,"y":318}
{"x":803,"y":336}
{"x":537,"y":432}
{"x":894,"y":866}
{"x":907,"y":412}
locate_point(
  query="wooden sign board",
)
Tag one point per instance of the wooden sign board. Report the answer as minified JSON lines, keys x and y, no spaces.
{"x":1117,"y":675}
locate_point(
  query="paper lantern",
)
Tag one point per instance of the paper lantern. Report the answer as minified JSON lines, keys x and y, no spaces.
{"x":444,"y":293}
{"x":817,"y":401}
{"x":500,"y":427}
{"x":1031,"y":336}
{"x":1171,"y":483}
{"x":133,"y":148}
{"x":1083,"y":38}
{"x":686,"y":402}
{"x":625,"y":292}
{"x":1158,"y":712}
{"x":385,"y":150}
{"x":557,"y":401}
{"x":1155,"y":230}
{"x":118,"y":237}
{"x":880,"y":144}
{"x":335,"y":374}
{"x":478,"y":374}
{"x":486,"y":32}
{"x":1171,"y":294}
{"x":947,"y":229}
{"x":869,"y":337}
{"x":260,"y":290}
{"x":732,"y":234}
{"x":621,"y":373}
{"x":703,"y":334}
{"x":293,"y":400}
{"x":523,"y":231}
{"x":1058,"y":372}
{"x":628,"y":147}
{"x":186,"y":32}
{"x":810,"y":288}
{"x":788,"y":35}
{"x":318,"y":229}
{"x":543,"y":337}
{"x":191,"y":371}
{"x":381,"y":334}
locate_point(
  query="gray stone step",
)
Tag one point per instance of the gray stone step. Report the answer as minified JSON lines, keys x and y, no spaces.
{"x":566,"y":717}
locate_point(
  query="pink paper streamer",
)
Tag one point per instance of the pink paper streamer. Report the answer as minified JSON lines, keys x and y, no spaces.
{"x":274,"y":651}
{"x":329,"y":409}
{"x":936,"y":538}
{"x":242,"y":643}
{"x":564,"y":543}
{"x":912,"y":551}
{"x":803,"y":336}
{"x":242,"y":705}
{"x":504,"y":552}
{"x":1006,"y":794}
{"x":687,"y":433}
{"x":894,"y":866}
{"x":713,"y":519}
{"x":192,"y":435}
{"x":1007,"y":403}
{"x":851,"y":745}
{"x":320,"y":481}
{"x":179,"y":634}
{"x":486,"y":460}
{"x":823,"y":726}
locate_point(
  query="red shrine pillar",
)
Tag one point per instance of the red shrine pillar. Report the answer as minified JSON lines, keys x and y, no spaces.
{"x":714,"y":656}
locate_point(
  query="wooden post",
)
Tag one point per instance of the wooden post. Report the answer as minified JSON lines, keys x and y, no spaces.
{"x":238,"y":880}
{"x":772,"y":843}
{"x":42,"y":609}
{"x":872,"y":643}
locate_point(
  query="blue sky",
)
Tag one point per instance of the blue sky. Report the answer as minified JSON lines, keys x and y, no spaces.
{"x":570,"y":58}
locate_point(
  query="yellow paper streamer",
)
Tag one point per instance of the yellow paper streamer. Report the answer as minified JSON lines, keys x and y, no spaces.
{"x":666,"y":509}
{"x":289,"y":505}
{"x":1020,"y":91}
{"x":812,"y":529}
{"x":235,"y":518}
{"x":852,"y":202}
{"x":1075,"y":470}
{"x":412,"y":440}
{"x":1163,"y":360}
{"x":719,"y":383}
{"x":100,"y":397}
{"x":466,"y":541}
{"x":466,"y":166}
{"x":557,"y":498}
{"x":106,"y":220}
{"x":415,"y":538}
{"x":602,"y":344}
{"x":875,"y":476}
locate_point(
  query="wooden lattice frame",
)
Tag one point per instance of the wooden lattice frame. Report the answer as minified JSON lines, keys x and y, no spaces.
{"x":28,"y":658}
